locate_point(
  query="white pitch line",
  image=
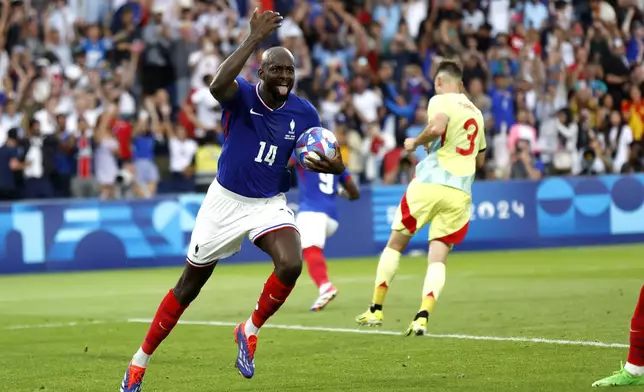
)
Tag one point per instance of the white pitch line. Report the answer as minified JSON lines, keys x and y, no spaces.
{"x":52,"y":325}
{"x":374,"y":331}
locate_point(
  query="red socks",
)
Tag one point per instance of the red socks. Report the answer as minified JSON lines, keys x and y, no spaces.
{"x":271,"y":299}
{"x":636,"y":349}
{"x":166,"y":318}
{"x":316,"y":265}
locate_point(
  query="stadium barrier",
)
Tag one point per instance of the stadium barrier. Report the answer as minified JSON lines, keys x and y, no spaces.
{"x":65,"y":235}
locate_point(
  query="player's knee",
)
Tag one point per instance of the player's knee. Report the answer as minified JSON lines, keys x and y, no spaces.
{"x":398,"y":241}
{"x":189,"y":285}
{"x":288,"y":268}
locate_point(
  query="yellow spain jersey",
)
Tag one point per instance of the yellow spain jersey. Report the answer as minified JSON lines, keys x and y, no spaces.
{"x":451,"y":160}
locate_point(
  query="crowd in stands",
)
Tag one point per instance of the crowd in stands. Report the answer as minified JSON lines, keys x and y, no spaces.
{"x":111,"y":99}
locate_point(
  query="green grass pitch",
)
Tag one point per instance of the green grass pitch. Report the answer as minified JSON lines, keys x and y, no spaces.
{"x":70,"y":332}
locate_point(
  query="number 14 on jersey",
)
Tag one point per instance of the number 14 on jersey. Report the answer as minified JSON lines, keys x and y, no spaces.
{"x":271,"y":154}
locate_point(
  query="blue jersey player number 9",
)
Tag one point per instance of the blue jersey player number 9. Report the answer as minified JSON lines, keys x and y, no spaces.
{"x":327,"y":183}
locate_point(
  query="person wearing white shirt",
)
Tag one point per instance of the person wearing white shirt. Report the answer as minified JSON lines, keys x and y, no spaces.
{"x":366,"y":101}
{"x":375,"y":146}
{"x":37,"y":183}
{"x":203,"y":63}
{"x":182,"y":152}
{"x":62,"y":19}
{"x":499,"y":16}
{"x":47,"y":117}
{"x":473,"y":17}
{"x":415,"y":12}
{"x":10,"y":119}
{"x":618,"y":140}
{"x":208,"y":112}
{"x":535,"y":15}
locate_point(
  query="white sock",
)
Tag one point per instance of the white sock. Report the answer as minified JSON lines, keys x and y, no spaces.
{"x":324,"y":287}
{"x":634,"y":370}
{"x":141,"y":359}
{"x":250,"y":328}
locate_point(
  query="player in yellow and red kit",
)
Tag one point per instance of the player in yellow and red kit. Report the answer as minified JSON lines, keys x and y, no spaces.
{"x":441,"y":193}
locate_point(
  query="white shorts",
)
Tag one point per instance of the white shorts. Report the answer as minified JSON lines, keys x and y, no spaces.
{"x":315,"y":228}
{"x":225,"y":218}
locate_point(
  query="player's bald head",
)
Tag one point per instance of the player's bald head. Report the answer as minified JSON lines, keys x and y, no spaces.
{"x":277,"y":72}
{"x":277,"y":55}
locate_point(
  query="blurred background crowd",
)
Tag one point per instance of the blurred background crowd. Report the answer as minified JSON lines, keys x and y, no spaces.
{"x":110,"y":98}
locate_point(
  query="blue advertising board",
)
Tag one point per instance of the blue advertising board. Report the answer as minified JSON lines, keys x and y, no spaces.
{"x":89,"y":234}
{"x":527,"y":214}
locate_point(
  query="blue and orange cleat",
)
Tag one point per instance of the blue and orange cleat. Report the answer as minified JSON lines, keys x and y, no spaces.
{"x":246,"y":355}
{"x":133,"y":378}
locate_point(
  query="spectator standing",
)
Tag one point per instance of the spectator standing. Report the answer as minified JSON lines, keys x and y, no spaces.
{"x":633,"y":109}
{"x":182,"y":154}
{"x":84,"y":184}
{"x":37,"y":162}
{"x":375,"y":146}
{"x":207,"y":112}
{"x":9,"y":166}
{"x":64,"y":146}
{"x":105,"y":157}
{"x":617,"y":141}
{"x":146,"y":171}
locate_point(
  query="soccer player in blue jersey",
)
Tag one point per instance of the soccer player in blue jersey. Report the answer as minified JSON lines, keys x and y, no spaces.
{"x":262,"y":123}
{"x":317,"y":220}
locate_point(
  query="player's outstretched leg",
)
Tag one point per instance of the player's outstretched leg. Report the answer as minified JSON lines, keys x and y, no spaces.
{"x":170,"y":310}
{"x":316,"y":265}
{"x":387,"y":268}
{"x":283,"y":246}
{"x":633,"y":372}
{"x":434,"y":283}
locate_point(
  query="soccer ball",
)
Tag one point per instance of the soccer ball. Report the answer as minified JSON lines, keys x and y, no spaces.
{"x":315,"y":139}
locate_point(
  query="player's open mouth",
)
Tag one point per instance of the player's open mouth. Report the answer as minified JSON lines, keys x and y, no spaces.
{"x":283,"y":89}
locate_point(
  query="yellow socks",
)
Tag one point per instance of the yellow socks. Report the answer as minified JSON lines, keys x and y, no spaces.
{"x":387,"y":267}
{"x":434,"y":283}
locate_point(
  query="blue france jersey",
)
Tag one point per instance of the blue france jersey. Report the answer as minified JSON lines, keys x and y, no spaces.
{"x":318,"y":191}
{"x":259,"y":141}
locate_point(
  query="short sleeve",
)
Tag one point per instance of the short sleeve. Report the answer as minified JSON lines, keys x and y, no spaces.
{"x":435,"y":106}
{"x":314,"y":117}
{"x":244,"y":91}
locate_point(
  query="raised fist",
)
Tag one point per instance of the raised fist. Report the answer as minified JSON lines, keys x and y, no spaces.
{"x":262,"y":25}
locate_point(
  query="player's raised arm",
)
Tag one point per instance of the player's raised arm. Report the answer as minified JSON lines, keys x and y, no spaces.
{"x":223,"y":86}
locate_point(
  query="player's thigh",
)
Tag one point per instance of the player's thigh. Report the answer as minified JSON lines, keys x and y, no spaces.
{"x":274,"y":231}
{"x":451,"y":217}
{"x":219,"y":229}
{"x":331,"y":227}
{"x":271,"y":216}
{"x":415,"y":208}
{"x":313,"y":228}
